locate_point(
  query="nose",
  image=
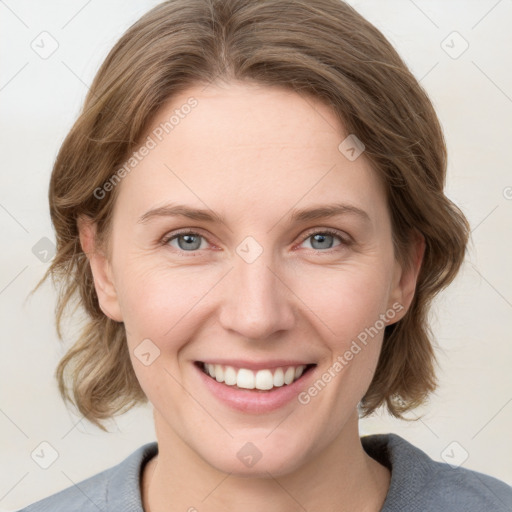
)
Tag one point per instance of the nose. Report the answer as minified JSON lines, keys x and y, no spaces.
{"x":258,"y":302}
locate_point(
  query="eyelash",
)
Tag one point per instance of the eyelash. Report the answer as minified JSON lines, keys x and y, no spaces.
{"x":344,"y":240}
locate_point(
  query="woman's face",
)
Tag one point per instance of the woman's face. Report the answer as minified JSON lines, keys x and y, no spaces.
{"x":245,"y":238}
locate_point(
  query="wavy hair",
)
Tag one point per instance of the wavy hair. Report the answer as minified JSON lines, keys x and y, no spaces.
{"x":318,"y":47}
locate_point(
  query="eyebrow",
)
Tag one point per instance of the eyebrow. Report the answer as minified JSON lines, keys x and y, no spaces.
{"x":295,"y":216}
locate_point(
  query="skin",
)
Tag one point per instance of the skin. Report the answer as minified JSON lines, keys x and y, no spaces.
{"x":253,"y":154}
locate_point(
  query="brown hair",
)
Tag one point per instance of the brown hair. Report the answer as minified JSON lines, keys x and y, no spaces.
{"x":318,"y":47}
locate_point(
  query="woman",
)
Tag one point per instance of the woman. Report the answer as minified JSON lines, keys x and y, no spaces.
{"x":250,"y":208}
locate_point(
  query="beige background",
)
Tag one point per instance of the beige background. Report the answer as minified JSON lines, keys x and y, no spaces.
{"x":40,"y":98}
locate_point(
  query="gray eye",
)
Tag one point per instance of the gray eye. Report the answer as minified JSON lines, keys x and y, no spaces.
{"x":322,"y":240}
{"x":188,"y":242}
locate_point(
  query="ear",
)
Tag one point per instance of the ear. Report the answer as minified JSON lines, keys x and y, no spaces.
{"x":405,"y":279}
{"x":101,"y":270}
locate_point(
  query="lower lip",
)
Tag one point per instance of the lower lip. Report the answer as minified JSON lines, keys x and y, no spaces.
{"x":253,"y":400}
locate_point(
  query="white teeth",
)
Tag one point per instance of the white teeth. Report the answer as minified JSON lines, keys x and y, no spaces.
{"x":299,"y":370}
{"x":289,"y":375}
{"x":247,"y":379}
{"x":230,"y":376}
{"x":278,"y":377}
{"x":264,"y":380}
{"x":219,"y":373}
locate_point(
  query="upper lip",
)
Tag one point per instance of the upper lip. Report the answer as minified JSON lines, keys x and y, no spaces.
{"x":256,"y":365}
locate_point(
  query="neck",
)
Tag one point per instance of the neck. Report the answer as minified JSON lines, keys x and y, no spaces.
{"x":342,"y":477}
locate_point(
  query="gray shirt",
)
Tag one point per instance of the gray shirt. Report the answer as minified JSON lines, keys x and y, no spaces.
{"x":418,"y":483}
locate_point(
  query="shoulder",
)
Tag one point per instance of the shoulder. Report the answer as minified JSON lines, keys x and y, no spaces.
{"x":419,"y":483}
{"x":116,"y":488}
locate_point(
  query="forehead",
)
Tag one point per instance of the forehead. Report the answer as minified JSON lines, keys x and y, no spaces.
{"x":249,"y":149}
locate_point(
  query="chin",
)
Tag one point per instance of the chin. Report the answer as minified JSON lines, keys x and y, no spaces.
{"x":257,"y":458}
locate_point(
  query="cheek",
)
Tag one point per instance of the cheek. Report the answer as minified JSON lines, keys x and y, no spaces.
{"x":345,"y":300}
{"x":161,"y":305}
{"x":159,"y":302}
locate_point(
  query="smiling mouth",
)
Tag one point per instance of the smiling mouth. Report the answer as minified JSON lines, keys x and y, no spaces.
{"x":260,"y":380}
